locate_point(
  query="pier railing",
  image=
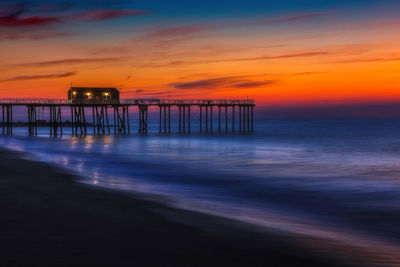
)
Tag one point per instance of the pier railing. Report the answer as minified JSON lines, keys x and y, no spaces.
{"x":136,"y":101}
{"x":12,"y":101}
{"x":129,"y":101}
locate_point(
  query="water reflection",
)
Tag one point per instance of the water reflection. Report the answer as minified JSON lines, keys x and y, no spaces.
{"x":313,"y":179}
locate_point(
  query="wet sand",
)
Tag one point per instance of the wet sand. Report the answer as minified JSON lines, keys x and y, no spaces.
{"x":49,"y":219}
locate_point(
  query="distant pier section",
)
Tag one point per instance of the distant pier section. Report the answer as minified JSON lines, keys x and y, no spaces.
{"x":100,"y":110}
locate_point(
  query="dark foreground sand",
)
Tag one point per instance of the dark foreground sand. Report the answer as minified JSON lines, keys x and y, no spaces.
{"x":48,"y":219}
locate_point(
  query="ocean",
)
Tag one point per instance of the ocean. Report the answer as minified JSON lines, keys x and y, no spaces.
{"x":331,"y":179}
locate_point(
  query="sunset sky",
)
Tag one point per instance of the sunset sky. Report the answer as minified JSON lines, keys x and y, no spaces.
{"x":281,"y":53}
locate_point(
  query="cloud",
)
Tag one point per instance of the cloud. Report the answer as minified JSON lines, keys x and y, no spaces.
{"x":361,"y":60}
{"x":150,"y":93}
{"x":107,"y":14}
{"x":196,"y":28}
{"x":254,"y":84}
{"x":281,"y":56}
{"x":34,"y":35}
{"x":179,"y":30}
{"x":15,"y":20}
{"x":301,"y":54}
{"x":67,"y":61}
{"x":14,"y":15}
{"x":40,"y":76}
{"x":309,"y":73}
{"x":221,"y":82}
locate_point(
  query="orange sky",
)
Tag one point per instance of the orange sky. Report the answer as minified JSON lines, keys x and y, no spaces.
{"x":286,"y":59}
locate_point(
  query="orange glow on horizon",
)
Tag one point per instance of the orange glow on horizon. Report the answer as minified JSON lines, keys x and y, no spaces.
{"x":292,"y":67}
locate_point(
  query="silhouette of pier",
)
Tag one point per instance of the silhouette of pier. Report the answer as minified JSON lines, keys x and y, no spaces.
{"x":113,"y":117}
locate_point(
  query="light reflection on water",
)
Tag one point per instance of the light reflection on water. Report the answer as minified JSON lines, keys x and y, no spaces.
{"x":335,"y":179}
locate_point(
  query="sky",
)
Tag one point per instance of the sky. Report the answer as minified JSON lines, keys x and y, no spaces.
{"x":297,"y":53}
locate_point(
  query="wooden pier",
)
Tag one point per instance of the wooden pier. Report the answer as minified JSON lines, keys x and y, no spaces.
{"x":215,"y":116}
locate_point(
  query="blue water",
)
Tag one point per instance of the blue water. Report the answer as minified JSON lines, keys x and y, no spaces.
{"x":336,"y":179}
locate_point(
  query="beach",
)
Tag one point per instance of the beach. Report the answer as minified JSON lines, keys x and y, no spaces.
{"x":49,"y":219}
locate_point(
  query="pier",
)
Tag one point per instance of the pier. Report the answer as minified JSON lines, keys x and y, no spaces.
{"x":115,"y":117}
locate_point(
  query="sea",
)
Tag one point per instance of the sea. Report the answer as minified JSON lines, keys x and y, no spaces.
{"x":336,"y":180}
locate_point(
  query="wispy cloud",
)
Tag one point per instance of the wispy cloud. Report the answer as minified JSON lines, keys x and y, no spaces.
{"x":257,"y":58}
{"x":291,"y":55}
{"x":183,"y":30}
{"x":107,"y":14}
{"x":221,"y":82}
{"x":67,"y":61}
{"x":40,"y":76}
{"x":39,"y":35}
{"x":254,"y":84}
{"x":15,"y":15}
{"x":179,"y":30}
{"x":371,"y":59}
{"x":150,"y":92}
{"x":15,"y":20}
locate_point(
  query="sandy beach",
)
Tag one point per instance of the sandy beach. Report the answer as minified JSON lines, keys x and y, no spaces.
{"x":49,"y":219}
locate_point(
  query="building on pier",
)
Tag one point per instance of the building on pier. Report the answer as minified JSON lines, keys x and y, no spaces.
{"x":93,"y":95}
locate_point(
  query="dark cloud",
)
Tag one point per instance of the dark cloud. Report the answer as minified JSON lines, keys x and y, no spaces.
{"x":150,"y":93}
{"x":40,"y":76}
{"x":67,"y":61}
{"x":253,"y":84}
{"x":221,"y":82}
{"x":20,"y":15}
{"x":15,"y":20}
{"x":107,"y":14}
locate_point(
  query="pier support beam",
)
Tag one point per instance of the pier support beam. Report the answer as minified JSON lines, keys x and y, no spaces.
{"x":248,"y":118}
{"x":226,"y":119}
{"x":32,"y":120}
{"x":101,"y":123}
{"x":233,"y":118}
{"x":211,"y":118}
{"x":201,"y":119}
{"x":252,"y":118}
{"x":78,"y":120}
{"x":240,"y":118}
{"x":219,"y":119}
{"x":206,"y":118}
{"x":169,"y":118}
{"x":143,"y":116}
{"x":184,"y":118}
{"x":180,"y":118}
{"x":121,"y":119}
{"x":189,"y":121}
{"x":163,"y":118}
{"x":55,"y":120}
{"x":7,"y":122}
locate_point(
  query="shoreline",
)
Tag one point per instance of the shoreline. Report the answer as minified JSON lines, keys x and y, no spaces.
{"x":49,"y":219}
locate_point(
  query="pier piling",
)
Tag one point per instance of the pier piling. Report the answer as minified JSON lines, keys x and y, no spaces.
{"x":239,"y":112}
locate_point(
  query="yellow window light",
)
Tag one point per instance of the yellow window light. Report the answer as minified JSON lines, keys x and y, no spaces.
{"x":106,"y":94}
{"x":88,"y":94}
{"x":74,"y":93}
